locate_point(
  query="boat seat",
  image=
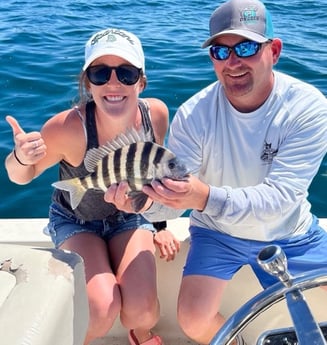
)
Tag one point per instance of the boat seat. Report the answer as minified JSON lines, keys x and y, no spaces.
{"x":42,"y":296}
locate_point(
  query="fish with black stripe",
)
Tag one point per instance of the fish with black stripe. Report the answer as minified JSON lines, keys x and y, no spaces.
{"x":131,"y":157}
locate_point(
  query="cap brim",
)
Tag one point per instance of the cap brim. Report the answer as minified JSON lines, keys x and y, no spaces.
{"x":244,"y":33}
{"x":134,"y":60}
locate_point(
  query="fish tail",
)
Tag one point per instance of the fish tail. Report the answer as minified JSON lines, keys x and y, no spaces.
{"x":74,"y":187}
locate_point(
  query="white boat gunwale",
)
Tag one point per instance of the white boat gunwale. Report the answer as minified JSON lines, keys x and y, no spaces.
{"x":28,"y":232}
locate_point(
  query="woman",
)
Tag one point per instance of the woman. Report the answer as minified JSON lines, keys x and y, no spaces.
{"x":117,"y":247}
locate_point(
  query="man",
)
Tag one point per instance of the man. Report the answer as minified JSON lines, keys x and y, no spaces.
{"x":253,"y":141}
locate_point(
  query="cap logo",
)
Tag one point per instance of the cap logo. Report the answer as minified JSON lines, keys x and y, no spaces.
{"x":111,"y":33}
{"x":249,"y":15}
{"x":111,"y":38}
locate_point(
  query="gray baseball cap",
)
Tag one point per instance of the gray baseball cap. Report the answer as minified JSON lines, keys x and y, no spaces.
{"x":246,"y":18}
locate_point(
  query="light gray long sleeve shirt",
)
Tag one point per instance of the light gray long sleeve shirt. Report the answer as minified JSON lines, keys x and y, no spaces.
{"x":259,"y":165}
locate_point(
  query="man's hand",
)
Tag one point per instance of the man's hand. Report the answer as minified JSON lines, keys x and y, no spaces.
{"x":189,"y":194}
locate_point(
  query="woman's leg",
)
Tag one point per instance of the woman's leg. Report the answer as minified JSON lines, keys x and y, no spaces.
{"x":102,"y":288}
{"x":133,"y":260}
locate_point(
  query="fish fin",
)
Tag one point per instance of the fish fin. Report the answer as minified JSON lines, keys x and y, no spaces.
{"x":131,"y":136}
{"x":138,"y":200}
{"x":75,"y":189}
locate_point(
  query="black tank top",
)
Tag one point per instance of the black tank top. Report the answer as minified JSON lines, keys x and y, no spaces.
{"x":92,"y":206}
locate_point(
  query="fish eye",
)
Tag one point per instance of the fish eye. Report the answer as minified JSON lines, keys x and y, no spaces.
{"x":171,"y":165}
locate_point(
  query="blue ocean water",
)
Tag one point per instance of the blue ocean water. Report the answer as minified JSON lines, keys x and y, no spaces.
{"x":42,"y":50}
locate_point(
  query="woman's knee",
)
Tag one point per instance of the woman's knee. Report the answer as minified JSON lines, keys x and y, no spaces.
{"x":102,"y":317}
{"x":104,"y":307}
{"x":140,"y":313}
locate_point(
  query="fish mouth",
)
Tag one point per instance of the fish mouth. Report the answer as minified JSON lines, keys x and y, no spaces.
{"x":181,"y":178}
{"x":174,"y":178}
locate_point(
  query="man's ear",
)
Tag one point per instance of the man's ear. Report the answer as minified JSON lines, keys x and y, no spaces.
{"x":276,"y":48}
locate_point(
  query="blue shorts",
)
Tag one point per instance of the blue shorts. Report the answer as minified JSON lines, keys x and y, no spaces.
{"x":215,"y":254}
{"x":63,"y":225}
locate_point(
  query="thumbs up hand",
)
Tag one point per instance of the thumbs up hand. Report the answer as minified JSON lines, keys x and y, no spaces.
{"x":29,"y":147}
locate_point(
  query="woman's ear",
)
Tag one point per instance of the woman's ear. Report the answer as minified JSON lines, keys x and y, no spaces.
{"x":143,"y":82}
{"x":86,"y":83}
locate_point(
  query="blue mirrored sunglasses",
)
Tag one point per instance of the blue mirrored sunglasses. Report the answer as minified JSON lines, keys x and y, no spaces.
{"x":126,"y":74}
{"x":243,"y":50}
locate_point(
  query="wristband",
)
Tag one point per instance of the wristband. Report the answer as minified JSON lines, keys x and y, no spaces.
{"x":18,"y":160}
{"x":159,"y":226}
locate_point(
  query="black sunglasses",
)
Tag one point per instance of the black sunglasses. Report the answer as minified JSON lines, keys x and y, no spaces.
{"x":126,"y":74}
{"x":243,"y":50}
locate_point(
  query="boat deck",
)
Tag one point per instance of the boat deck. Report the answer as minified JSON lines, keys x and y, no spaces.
{"x":27,"y":234}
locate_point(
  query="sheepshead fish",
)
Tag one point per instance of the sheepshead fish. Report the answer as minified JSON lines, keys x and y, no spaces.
{"x":130,"y":157}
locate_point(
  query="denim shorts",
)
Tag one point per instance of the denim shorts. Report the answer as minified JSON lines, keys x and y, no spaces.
{"x":215,"y":254}
{"x":63,"y":225}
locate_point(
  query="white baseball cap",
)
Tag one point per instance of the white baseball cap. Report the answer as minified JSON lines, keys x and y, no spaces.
{"x":116,"y":42}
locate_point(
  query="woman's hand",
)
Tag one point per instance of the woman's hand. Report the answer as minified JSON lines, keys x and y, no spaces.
{"x":117,"y":194}
{"x":167,"y":243}
{"x":29,"y":147}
